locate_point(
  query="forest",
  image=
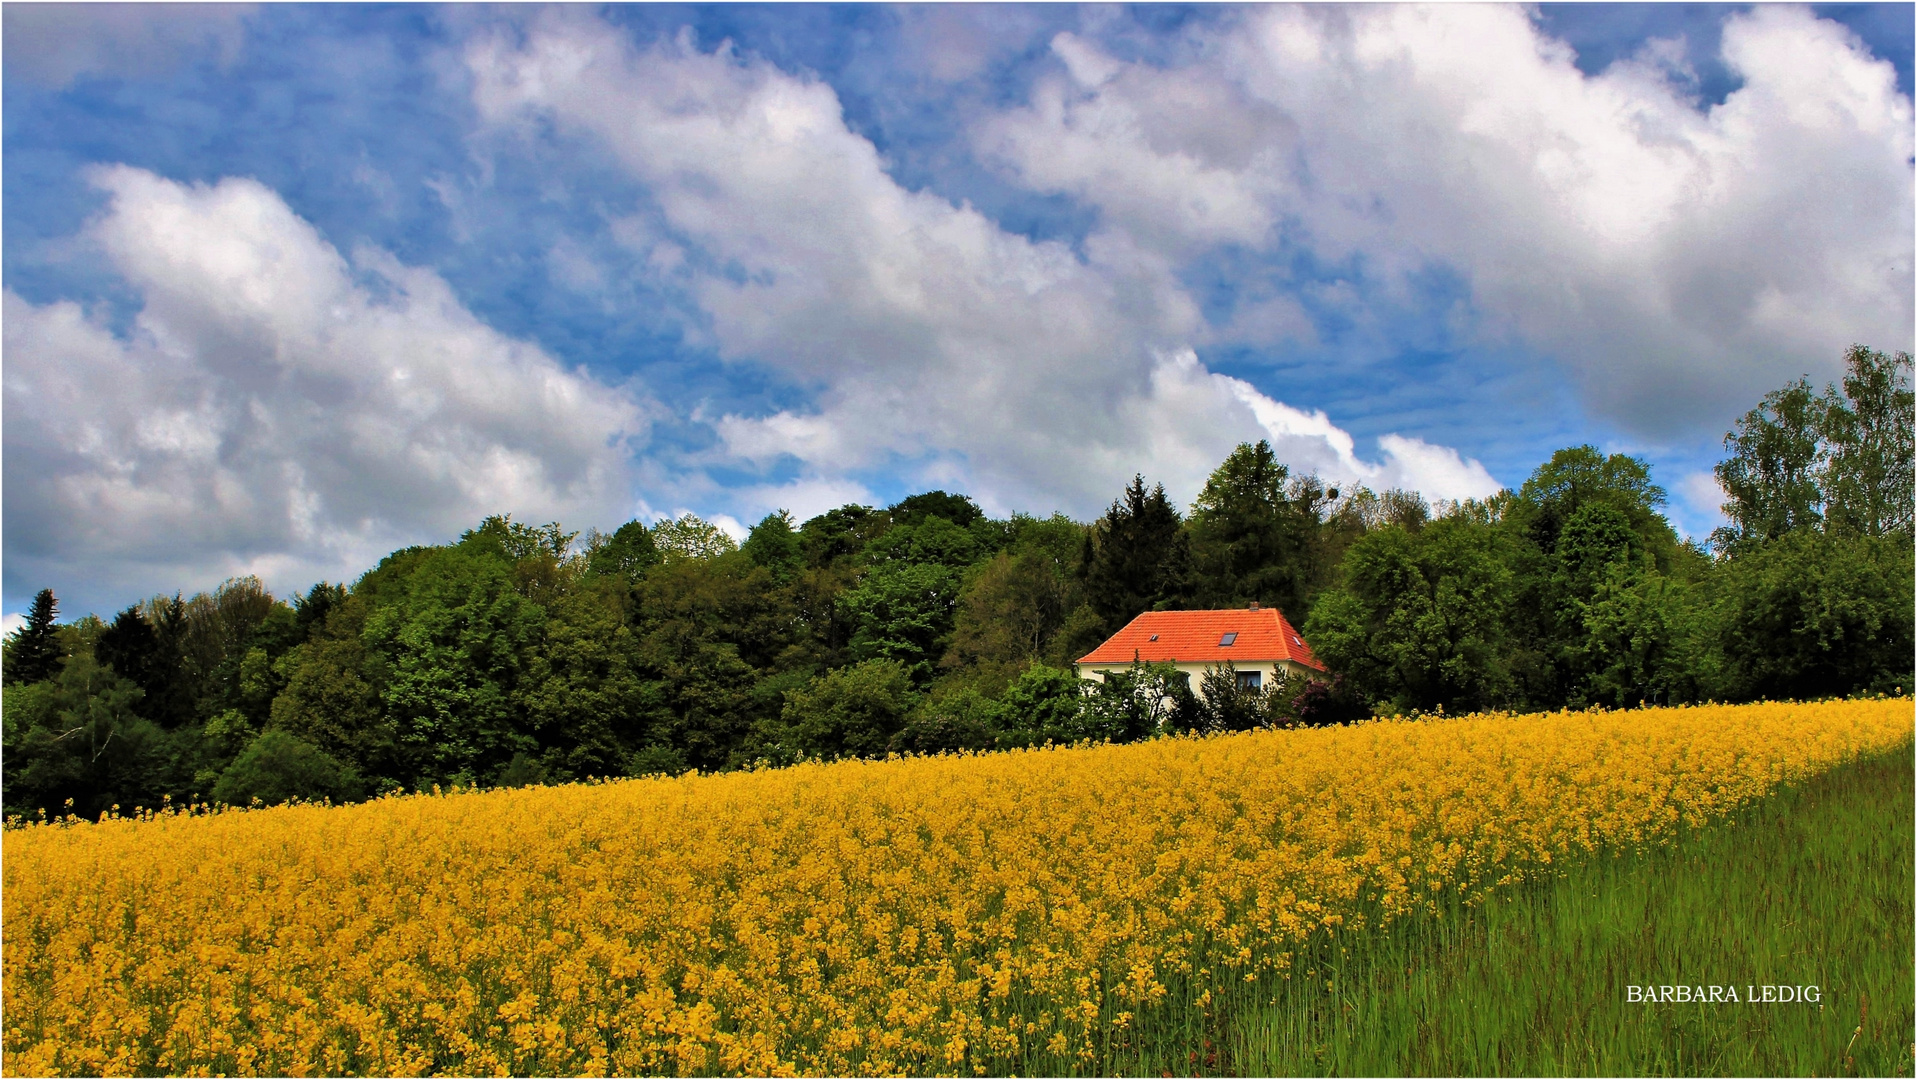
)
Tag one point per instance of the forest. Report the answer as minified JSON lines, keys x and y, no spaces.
{"x":522,"y":654}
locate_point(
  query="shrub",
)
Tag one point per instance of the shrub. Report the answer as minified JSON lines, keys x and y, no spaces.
{"x":967,"y":720}
{"x":278,"y":767}
{"x":852,"y":711}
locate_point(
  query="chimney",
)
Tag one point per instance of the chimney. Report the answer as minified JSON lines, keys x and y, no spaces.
{"x":1254,"y":605}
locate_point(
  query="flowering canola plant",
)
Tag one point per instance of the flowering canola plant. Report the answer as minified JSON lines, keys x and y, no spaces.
{"x":1018,"y":911}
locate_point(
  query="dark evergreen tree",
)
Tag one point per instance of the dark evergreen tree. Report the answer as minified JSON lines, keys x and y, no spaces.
{"x":1137,"y":557}
{"x":1250,"y":541}
{"x":33,"y":653}
{"x":310,"y":611}
{"x":76,"y":736}
{"x":133,"y":649}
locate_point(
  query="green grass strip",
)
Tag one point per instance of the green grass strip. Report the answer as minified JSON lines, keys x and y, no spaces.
{"x":1812,"y":887}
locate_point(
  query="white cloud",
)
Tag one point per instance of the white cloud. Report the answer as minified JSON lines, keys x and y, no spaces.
{"x":52,"y":44}
{"x":953,"y":42}
{"x":1699,"y":504}
{"x":939,"y":344}
{"x":1677,"y":260}
{"x":277,"y":408}
{"x":731,"y":526}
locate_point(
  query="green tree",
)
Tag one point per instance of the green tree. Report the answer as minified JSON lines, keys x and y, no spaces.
{"x":966,"y":720}
{"x":583,"y":692}
{"x":77,"y":736}
{"x":957,"y":509}
{"x":774,"y":544}
{"x":130,"y":647}
{"x":838,"y":538}
{"x":1139,"y":702}
{"x":513,"y":541}
{"x":1048,"y":704}
{"x":1009,"y":612}
{"x":1811,"y":615}
{"x":33,"y":651}
{"x":1869,"y":479}
{"x":1137,"y":557}
{"x":850,"y":712}
{"x":903,"y":611}
{"x":1578,"y":477}
{"x":332,"y":698}
{"x":1249,"y":540}
{"x":278,"y":767}
{"x":691,"y":537}
{"x":1770,"y":481}
{"x":1597,"y":549}
{"x":1363,"y":511}
{"x":454,"y":646}
{"x":1641,"y":639}
{"x":310,"y":611}
{"x":717,"y":644}
{"x":1227,"y":703}
{"x":929,"y":540}
{"x":626,"y":554}
{"x":1422,"y":619}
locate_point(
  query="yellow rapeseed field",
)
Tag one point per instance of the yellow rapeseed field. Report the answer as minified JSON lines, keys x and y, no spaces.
{"x":1021,"y":911}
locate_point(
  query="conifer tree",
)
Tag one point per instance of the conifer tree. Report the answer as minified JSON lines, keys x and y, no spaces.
{"x":33,"y":653}
{"x":1137,"y":556}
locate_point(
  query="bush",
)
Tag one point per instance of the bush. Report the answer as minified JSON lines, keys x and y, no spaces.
{"x":1142,"y":701}
{"x":522,"y":771}
{"x":655,"y":761}
{"x":1225,"y":705}
{"x":278,"y":767}
{"x":967,"y":720}
{"x":1335,"y":702}
{"x":852,"y":711}
{"x":1045,"y":704}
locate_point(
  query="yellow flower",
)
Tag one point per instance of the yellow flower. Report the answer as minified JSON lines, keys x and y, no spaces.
{"x":988,"y":913}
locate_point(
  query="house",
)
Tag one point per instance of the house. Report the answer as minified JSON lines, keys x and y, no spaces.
{"x":1258,"y":642}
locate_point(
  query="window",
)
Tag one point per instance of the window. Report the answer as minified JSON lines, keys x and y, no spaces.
{"x":1250,"y":680}
{"x":1228,"y":638}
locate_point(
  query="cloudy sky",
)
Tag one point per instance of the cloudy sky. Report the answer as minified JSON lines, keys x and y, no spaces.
{"x":289,"y":287}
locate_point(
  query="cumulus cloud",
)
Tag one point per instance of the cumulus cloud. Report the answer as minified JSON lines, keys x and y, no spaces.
{"x":937,"y":343}
{"x":1699,"y":504}
{"x":53,"y":44}
{"x":1671,"y":256}
{"x":277,"y":407}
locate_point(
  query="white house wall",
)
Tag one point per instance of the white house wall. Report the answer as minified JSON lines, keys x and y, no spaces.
{"x":1267,"y":671}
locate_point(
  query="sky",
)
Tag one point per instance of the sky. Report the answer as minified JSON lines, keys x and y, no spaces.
{"x":288,"y":287}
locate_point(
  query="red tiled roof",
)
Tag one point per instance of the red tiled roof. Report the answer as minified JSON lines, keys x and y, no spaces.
{"x":1193,"y":637}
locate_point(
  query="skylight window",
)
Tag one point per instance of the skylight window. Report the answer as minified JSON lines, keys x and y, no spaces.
{"x":1228,"y":638}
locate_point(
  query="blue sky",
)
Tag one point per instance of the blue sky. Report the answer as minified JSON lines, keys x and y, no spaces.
{"x":290,"y":286}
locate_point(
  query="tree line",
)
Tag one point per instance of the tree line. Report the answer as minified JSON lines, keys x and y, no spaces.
{"x":521,"y":654}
